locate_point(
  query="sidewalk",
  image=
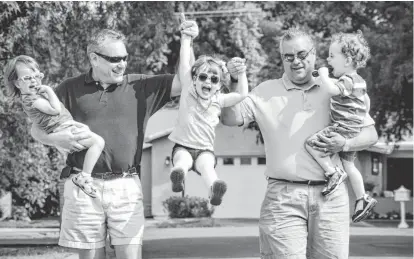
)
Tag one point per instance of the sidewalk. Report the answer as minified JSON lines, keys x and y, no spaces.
{"x":49,"y":236}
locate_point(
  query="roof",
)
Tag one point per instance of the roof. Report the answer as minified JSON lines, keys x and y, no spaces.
{"x":388,"y":148}
{"x":160,"y":124}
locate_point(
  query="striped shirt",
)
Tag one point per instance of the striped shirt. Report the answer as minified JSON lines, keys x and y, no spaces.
{"x":349,"y":108}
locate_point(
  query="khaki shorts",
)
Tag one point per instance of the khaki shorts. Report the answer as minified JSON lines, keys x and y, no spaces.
{"x":118,"y":209}
{"x":297,"y":222}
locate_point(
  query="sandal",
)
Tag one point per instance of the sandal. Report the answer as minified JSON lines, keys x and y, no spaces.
{"x":84,"y":182}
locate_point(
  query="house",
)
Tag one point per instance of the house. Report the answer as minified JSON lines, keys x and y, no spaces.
{"x":241,"y":163}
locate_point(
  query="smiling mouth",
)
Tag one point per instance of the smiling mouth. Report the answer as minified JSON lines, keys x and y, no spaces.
{"x":205,"y":89}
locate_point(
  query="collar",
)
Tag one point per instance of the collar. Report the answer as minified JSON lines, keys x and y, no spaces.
{"x":306,"y":87}
{"x":89,"y":80}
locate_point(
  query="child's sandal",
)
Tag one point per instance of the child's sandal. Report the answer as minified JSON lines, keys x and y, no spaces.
{"x":81,"y":180}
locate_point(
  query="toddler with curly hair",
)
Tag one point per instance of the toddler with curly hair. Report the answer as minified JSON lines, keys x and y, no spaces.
{"x":349,"y":104}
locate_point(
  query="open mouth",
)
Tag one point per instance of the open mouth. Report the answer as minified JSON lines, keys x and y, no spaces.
{"x":205,"y":89}
{"x":297,"y":68}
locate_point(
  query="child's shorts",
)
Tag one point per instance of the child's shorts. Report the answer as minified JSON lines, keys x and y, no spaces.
{"x":195,"y":153}
{"x":348,"y":155}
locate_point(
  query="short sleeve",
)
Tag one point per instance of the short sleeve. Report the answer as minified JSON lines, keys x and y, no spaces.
{"x":157,"y":91}
{"x":247,"y":109}
{"x":368,"y":121}
{"x":345,"y":85}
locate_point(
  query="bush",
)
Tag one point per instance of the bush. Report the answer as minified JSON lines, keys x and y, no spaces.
{"x":28,"y":169}
{"x":188,"y":207}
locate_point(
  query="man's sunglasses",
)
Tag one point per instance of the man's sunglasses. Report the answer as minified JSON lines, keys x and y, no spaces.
{"x":301,"y":56}
{"x":213,"y":78}
{"x":112,"y":59}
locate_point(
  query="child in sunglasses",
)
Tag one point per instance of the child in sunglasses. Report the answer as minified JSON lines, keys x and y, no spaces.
{"x":23,"y":80}
{"x":349,"y":105}
{"x":200,"y":107}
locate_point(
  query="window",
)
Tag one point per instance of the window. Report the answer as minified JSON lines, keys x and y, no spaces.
{"x":261,"y":160}
{"x":228,"y":161}
{"x":245,"y":160}
{"x":400,"y":172}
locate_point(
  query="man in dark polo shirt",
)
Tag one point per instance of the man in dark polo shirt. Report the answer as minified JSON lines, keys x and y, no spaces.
{"x":116,"y":107}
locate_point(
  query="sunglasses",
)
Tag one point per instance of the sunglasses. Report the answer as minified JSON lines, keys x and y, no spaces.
{"x":301,"y":56}
{"x":213,"y":78}
{"x":112,"y":59}
{"x":28,"y":79}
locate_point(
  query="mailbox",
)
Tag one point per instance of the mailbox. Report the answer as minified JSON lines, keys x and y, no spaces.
{"x":402,"y":194}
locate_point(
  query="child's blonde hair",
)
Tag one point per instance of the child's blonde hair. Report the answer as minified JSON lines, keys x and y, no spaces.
{"x":204,"y":62}
{"x":10,"y":73}
{"x":354,"y":45}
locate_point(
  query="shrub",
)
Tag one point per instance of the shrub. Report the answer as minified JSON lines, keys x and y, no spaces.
{"x":188,"y":207}
{"x":28,"y":169}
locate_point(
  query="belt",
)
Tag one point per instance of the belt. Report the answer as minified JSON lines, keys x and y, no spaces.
{"x":131,"y":172}
{"x":300,"y":182}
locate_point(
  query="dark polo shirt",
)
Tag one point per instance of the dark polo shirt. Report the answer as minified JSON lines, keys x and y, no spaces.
{"x":119,"y":114}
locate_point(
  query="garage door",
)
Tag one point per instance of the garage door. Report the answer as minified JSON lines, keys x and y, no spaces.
{"x":246,"y":186}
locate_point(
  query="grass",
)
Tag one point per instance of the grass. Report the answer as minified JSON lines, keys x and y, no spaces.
{"x":41,"y":223}
{"x":34,"y":252}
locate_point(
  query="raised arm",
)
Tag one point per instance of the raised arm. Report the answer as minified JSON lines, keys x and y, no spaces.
{"x":50,"y":105}
{"x":241,"y":92}
{"x":189,"y":30}
{"x":328,"y":82}
{"x":232,"y":116}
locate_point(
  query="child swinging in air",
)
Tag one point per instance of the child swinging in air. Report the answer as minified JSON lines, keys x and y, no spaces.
{"x":200,"y":108}
{"x":23,"y":80}
{"x":349,"y":105}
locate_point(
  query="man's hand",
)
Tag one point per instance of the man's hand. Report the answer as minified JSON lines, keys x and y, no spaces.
{"x":329,"y":144}
{"x":189,"y":28}
{"x":236,"y":66}
{"x":65,"y":136}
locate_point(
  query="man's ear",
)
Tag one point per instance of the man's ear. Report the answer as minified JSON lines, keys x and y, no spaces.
{"x":93,"y":58}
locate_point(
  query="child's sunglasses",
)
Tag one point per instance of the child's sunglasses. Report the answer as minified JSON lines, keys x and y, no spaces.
{"x":213,"y":78}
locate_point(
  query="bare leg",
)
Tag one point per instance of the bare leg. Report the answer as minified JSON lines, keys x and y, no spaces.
{"x":355,"y":178}
{"x":128,"y":251}
{"x":95,"y":145}
{"x":182,"y":161}
{"x":324,"y":161}
{"x":92,"y":253}
{"x":205,"y":166}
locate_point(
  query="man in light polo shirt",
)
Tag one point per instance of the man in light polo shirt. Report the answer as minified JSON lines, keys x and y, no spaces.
{"x":117,"y":107}
{"x":296,"y":221}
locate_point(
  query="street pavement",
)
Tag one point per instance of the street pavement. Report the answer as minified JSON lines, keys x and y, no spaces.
{"x":228,"y":242}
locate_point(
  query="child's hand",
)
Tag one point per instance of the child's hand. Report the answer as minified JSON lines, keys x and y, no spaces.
{"x":43,"y":88}
{"x":236,"y":66}
{"x":189,"y":28}
{"x":323,"y":71}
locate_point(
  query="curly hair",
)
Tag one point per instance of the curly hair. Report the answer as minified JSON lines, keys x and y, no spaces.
{"x":205,"y":62}
{"x":355,"y":46}
{"x":10,"y":73}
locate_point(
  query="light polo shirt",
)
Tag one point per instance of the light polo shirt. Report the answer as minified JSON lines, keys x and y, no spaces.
{"x":287,"y":116}
{"x":118,"y":113}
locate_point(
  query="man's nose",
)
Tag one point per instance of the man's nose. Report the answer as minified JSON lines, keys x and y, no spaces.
{"x":123,"y":63}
